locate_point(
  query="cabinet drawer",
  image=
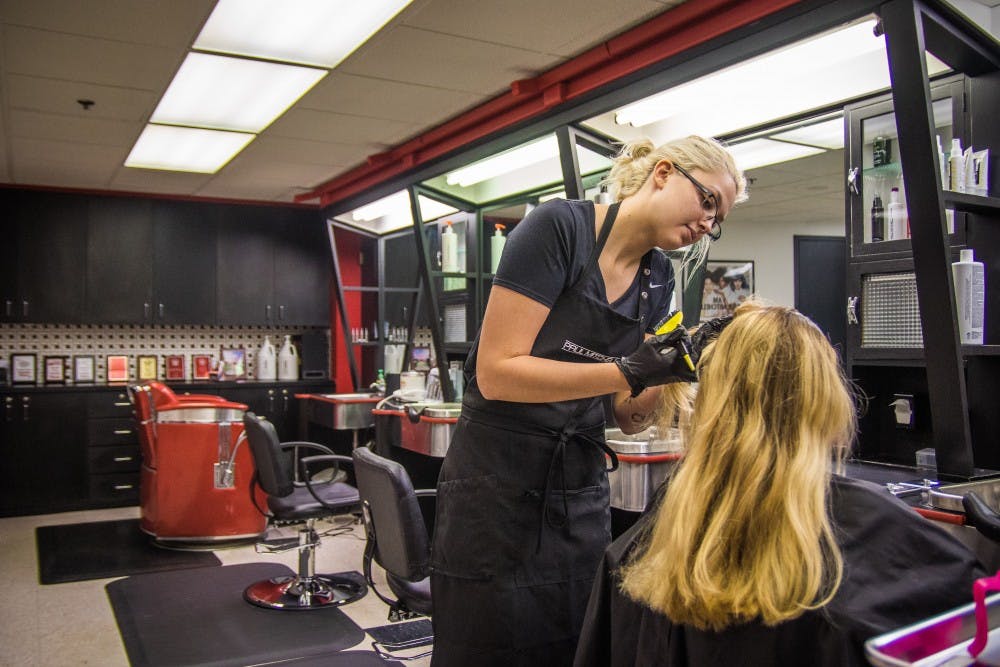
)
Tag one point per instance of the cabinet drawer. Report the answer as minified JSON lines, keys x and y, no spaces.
{"x":109,"y":404}
{"x":123,"y":487}
{"x":111,"y":432}
{"x":101,"y":460}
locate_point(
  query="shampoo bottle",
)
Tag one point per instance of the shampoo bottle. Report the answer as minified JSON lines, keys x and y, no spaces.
{"x":288,"y":361}
{"x":878,"y":220}
{"x":956,"y":167}
{"x":897,"y":216}
{"x":496,"y":246}
{"x":449,"y":249}
{"x":267,"y":365}
{"x":942,"y":164}
{"x":970,"y":297}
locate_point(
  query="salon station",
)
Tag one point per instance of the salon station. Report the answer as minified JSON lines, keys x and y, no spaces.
{"x":249,"y":247}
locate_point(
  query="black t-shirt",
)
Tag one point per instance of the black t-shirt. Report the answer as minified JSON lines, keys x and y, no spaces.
{"x":548,"y":251}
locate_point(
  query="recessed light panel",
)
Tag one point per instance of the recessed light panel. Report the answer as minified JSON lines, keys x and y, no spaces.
{"x":185,"y":149}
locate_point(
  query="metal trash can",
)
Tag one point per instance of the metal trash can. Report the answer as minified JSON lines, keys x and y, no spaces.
{"x":644,"y":460}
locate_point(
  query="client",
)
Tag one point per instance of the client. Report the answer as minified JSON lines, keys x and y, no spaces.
{"x":759,"y":552}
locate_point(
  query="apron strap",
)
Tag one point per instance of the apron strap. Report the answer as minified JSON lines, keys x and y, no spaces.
{"x":602,"y":238}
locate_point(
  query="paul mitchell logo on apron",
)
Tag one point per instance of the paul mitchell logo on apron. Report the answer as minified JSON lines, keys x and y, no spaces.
{"x":570,"y":346}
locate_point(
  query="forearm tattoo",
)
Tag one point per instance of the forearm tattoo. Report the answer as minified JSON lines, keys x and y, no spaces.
{"x":638,"y":418}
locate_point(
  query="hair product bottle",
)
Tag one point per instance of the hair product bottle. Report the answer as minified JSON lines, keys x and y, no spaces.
{"x":897,"y":217}
{"x":878,"y":220}
{"x":288,"y":361}
{"x":970,"y":297}
{"x":267,"y":366}
{"x":956,"y":167}
{"x":497,"y":242}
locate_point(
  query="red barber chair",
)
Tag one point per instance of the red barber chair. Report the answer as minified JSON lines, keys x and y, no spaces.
{"x":195,"y":478}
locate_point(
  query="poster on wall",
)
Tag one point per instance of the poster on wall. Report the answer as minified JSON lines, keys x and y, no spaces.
{"x":728,"y":283}
{"x":23,"y":368}
{"x":148,"y":367}
{"x":83,"y":369}
{"x":55,"y":370}
{"x":117,"y":368}
{"x":175,"y":366}
{"x":201,"y":366}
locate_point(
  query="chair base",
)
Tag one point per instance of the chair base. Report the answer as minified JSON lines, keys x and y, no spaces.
{"x":298,"y":594}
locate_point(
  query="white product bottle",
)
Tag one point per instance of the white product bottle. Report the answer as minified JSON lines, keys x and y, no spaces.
{"x":288,"y":361}
{"x":942,"y":164}
{"x":970,"y":297}
{"x":497,"y":242}
{"x":896,"y":217}
{"x":449,"y":249}
{"x":267,"y":365}
{"x":956,"y":167}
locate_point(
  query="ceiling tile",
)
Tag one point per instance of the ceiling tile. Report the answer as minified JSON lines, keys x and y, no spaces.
{"x":38,"y":162}
{"x":130,"y":179}
{"x":581,"y":23}
{"x":73,"y":129}
{"x":341,"y":128}
{"x":60,"y":96}
{"x":63,"y":56}
{"x":445,"y":61}
{"x":307,"y":151}
{"x":378,"y":98}
{"x":173,"y":23}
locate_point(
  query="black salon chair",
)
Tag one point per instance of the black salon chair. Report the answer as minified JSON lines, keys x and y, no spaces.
{"x":396,"y":534}
{"x":295,"y":498}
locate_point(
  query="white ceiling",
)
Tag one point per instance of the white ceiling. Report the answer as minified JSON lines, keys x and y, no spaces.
{"x":436,"y":59}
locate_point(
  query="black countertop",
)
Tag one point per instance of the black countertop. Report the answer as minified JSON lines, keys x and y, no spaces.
{"x":179,"y":387}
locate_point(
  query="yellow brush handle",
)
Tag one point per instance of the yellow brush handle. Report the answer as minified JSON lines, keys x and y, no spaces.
{"x":672,"y":323}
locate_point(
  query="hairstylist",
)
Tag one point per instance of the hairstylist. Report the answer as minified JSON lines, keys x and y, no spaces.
{"x":523,"y":510}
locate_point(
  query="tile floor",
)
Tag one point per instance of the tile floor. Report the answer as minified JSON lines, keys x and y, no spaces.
{"x":72,"y":624}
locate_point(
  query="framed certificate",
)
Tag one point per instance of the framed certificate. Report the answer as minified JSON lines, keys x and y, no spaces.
{"x":174,"y":366}
{"x":117,"y":368}
{"x":55,"y":369}
{"x":83,"y":369}
{"x":201,"y":366}
{"x":148,"y":367}
{"x":23,"y":368}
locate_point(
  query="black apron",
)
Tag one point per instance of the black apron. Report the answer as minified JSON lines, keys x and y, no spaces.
{"x":522,"y":502}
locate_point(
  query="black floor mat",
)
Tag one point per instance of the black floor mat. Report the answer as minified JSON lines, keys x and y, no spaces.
{"x":199,"y":617}
{"x":103,"y":549}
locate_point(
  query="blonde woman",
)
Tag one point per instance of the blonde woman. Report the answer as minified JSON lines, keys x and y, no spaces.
{"x":759,"y":552}
{"x":523,"y":512}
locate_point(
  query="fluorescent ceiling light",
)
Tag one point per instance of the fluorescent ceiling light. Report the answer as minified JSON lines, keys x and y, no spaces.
{"x":394,"y":210}
{"x":807,"y":75}
{"x":826,"y":134}
{"x":504,"y":163}
{"x":311,"y":32}
{"x":232,"y":93}
{"x":761,"y":152}
{"x":185,"y":149}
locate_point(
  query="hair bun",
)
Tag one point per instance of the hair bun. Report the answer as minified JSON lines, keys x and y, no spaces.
{"x":637,"y":150}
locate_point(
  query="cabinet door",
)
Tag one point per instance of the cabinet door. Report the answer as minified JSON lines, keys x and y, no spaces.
{"x":45,"y":463}
{"x":245,"y":269}
{"x":184,"y":257}
{"x":51,"y":255}
{"x":302,"y":273}
{"x":9,"y":201}
{"x":119,"y":261}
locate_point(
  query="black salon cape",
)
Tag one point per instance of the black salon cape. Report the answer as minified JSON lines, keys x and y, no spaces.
{"x":898,"y":568}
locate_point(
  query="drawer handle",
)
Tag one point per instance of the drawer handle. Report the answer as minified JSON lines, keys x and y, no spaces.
{"x":119,"y":404}
{"x":123,"y":431}
{"x":123,"y":487}
{"x":122,"y":459}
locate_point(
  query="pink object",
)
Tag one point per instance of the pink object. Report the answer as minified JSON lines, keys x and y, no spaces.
{"x":979,"y":590}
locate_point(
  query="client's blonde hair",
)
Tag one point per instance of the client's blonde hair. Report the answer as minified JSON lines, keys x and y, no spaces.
{"x":743,"y":531}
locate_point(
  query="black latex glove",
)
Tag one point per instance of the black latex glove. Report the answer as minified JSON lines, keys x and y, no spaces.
{"x":658,"y":360}
{"x":708,"y":332}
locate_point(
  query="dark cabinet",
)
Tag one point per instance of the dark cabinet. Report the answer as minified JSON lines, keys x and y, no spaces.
{"x":43,"y":259}
{"x":119,"y":260}
{"x":273,"y":268}
{"x":43,"y":463}
{"x":184,"y":263}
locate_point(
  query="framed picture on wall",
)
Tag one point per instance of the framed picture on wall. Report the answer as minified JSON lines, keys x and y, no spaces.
{"x":201,"y":366}
{"x":148,"y":367}
{"x":727,"y":284}
{"x":83,"y":369}
{"x":174,"y":366}
{"x":117,"y":368}
{"x":234,"y":363}
{"x":23,"y":368}
{"x":55,"y":369}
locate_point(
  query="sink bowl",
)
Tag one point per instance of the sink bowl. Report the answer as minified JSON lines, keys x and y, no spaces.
{"x":345,"y":412}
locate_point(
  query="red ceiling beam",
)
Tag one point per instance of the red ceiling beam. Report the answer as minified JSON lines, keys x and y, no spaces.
{"x":670,"y":33}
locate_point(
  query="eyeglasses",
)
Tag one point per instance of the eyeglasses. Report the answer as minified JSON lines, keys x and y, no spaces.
{"x":709,"y":204}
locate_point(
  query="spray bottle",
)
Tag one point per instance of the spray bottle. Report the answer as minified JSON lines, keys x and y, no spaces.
{"x":970,"y":297}
{"x":878,"y":220}
{"x":496,"y":246}
{"x":956,"y":167}
{"x":897,"y":216}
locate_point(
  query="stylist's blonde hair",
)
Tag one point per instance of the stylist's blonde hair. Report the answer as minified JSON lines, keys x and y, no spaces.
{"x":635,"y":161}
{"x":743,"y":531}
